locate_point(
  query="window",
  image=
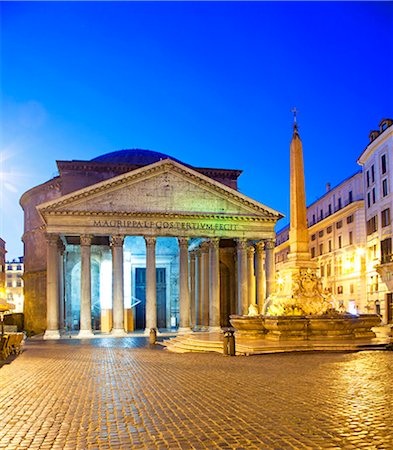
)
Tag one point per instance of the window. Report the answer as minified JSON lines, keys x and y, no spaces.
{"x":9,"y":275}
{"x":328,"y":270}
{"x":321,"y":249}
{"x":351,"y":289}
{"x":9,"y":283}
{"x":373,"y":195}
{"x":350,"y":198}
{"x":368,"y":178}
{"x":372,"y":225}
{"x":322,"y":271}
{"x":9,"y":267}
{"x":339,"y":242}
{"x":330,"y":245}
{"x":329,"y":229}
{"x":339,"y":224}
{"x":313,"y":237}
{"x":321,"y":215}
{"x":313,"y":219}
{"x":18,"y":267}
{"x":383,"y":164}
{"x":372,"y":174}
{"x":350,"y":219}
{"x":385,"y":187}
{"x":18,"y":283}
{"x":340,"y":290}
{"x":312,"y":252}
{"x":330,"y":209}
{"x":386,"y":250}
{"x":339,"y":268}
{"x":385,"y":217}
{"x":368,"y":199}
{"x":320,"y":234}
{"x":339,"y":203}
{"x":350,"y":238}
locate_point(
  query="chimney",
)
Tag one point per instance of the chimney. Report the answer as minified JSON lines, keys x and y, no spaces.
{"x":328,"y":187}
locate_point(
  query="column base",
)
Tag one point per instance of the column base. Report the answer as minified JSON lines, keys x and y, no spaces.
{"x":214,"y":329}
{"x":203,"y":328}
{"x":51,"y":334}
{"x":184,"y":330}
{"x":84,"y":334}
{"x":119,"y":332}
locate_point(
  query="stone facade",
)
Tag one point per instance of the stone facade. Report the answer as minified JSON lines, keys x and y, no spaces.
{"x":85,"y":217}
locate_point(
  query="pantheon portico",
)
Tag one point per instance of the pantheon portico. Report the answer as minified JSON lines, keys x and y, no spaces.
{"x":138,"y":240}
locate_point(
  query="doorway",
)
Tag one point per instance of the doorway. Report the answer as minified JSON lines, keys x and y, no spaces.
{"x":140,"y":294}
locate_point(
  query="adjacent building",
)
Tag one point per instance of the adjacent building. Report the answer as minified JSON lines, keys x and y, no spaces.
{"x":2,"y":267}
{"x":377,"y":163}
{"x":350,"y":232}
{"x":14,"y":283}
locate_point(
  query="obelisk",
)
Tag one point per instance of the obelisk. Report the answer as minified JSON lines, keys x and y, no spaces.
{"x":299,"y":254}
{"x":298,"y":287}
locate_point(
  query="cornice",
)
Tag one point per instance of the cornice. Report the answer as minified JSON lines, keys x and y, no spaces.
{"x":159,"y":215}
{"x":54,"y":183}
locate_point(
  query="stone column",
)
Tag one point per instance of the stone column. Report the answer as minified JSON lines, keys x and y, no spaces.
{"x":85,"y":317}
{"x":118,"y":285}
{"x":214,"y":285}
{"x":200,"y":289}
{"x":269,"y":266}
{"x":242,"y":282}
{"x":193,"y":289}
{"x":151,"y":290}
{"x":52,"y":288}
{"x":251,"y":276}
{"x":184,"y":293}
{"x":61,"y":249}
{"x":260,"y":274}
{"x":205,"y":285}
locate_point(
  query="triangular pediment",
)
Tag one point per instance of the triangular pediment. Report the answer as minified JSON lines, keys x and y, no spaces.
{"x":163,"y":187}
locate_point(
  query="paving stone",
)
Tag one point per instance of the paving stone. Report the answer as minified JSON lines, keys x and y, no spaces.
{"x":122,"y":393}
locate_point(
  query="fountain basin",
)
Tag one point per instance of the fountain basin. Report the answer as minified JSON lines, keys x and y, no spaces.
{"x":303,"y":328}
{"x":248,"y":326}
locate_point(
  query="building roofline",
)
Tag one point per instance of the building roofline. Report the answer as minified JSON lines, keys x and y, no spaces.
{"x":389,"y":128}
{"x":335,"y":187}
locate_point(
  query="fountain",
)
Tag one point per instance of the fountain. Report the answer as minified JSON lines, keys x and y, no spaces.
{"x":299,"y":309}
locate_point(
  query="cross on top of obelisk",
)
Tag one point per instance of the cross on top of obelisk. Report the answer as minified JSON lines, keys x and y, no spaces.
{"x":294,"y":111}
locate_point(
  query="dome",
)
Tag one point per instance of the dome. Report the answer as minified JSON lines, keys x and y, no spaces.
{"x":133,"y":156}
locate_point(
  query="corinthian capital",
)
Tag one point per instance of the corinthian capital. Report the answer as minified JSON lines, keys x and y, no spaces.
{"x":269,"y":244}
{"x":52,"y":239}
{"x":117,"y":241}
{"x":150,"y":241}
{"x":214,"y":243}
{"x":260,"y":247}
{"x":85,"y":239}
{"x":250,"y":251}
{"x":241,"y":243}
{"x":183,"y":242}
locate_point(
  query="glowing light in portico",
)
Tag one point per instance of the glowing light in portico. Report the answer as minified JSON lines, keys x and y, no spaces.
{"x":106,"y":284}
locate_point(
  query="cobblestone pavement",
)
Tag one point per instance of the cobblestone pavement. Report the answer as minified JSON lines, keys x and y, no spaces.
{"x":118,"y":394}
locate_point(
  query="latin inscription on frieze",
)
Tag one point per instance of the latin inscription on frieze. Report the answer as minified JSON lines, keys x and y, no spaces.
{"x":164,"y":225}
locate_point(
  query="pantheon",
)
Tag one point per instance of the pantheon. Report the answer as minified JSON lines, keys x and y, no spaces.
{"x":138,"y":240}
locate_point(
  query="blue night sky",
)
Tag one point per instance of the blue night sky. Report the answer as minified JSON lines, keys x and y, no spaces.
{"x":210,"y":83}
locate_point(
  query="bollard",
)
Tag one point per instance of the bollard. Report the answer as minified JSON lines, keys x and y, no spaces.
{"x":152,"y":336}
{"x":231,"y":344}
{"x":225,"y":343}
